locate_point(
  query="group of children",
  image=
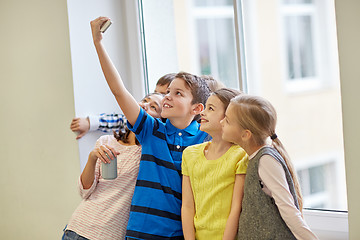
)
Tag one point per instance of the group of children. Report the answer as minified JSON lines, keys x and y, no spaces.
{"x":211,"y":167}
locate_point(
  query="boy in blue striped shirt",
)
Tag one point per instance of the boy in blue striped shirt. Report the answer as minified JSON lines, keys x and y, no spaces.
{"x":156,"y":204}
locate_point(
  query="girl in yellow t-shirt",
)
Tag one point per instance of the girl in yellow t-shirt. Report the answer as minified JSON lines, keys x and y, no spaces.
{"x":213,"y":177}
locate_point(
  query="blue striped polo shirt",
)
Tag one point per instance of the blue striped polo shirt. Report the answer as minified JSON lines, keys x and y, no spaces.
{"x":156,"y":205}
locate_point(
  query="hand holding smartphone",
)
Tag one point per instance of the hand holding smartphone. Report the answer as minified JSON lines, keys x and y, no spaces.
{"x":105,"y":26}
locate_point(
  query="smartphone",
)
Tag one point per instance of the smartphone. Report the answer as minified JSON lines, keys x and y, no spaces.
{"x":105,"y":26}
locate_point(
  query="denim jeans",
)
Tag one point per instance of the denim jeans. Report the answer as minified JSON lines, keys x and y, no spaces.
{"x":71,"y":235}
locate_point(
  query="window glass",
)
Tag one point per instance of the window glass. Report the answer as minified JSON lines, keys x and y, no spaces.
{"x":290,"y":52}
{"x":317,"y":179}
{"x":299,"y":43}
{"x":216,"y":48}
{"x":191,"y":35}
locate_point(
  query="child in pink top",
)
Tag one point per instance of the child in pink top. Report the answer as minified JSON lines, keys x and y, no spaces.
{"x":104,"y":210}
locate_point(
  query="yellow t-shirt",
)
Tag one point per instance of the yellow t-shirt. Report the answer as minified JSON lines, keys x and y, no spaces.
{"x":212,"y":183}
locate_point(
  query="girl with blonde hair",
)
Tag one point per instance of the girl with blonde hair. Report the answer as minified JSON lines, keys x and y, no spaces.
{"x":272,"y":203}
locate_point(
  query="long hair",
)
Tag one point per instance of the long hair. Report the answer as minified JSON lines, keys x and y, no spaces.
{"x":259,"y":116}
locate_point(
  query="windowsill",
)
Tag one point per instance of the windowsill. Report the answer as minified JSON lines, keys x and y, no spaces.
{"x":330,"y":225}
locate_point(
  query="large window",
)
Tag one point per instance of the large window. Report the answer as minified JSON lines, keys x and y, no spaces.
{"x":291,"y":59}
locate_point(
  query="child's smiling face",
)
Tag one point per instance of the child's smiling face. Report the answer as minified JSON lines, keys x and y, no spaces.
{"x":211,"y":116}
{"x":152,"y":104}
{"x":177,"y":102}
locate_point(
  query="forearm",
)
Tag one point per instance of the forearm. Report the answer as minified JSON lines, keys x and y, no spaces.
{"x":187,"y":209}
{"x":111,"y":74}
{"x":126,"y":101}
{"x":187,"y":219}
{"x":88,"y":175}
{"x":232,"y":225}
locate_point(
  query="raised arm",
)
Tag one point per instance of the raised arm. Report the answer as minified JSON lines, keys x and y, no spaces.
{"x":126,"y":101}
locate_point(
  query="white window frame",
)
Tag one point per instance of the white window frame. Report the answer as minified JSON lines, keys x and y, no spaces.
{"x":330,"y":225}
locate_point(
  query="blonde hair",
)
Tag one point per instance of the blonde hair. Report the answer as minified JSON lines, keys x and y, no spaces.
{"x":259,"y":116}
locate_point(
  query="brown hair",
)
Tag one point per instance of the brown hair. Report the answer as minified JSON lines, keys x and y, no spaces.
{"x":226,"y":94}
{"x":166,"y":79}
{"x":259,"y":116}
{"x":198,"y":87}
{"x":123,"y":135}
{"x":213,"y":83}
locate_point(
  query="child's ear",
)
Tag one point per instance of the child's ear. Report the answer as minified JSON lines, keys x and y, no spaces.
{"x":197,"y":108}
{"x":246,"y":135}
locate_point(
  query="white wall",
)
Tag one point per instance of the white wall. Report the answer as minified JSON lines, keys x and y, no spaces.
{"x":92,"y":95}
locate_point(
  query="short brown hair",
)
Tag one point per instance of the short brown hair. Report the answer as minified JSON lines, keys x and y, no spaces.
{"x":166,"y":79}
{"x":198,"y":86}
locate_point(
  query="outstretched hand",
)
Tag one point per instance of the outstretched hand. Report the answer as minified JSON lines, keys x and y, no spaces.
{"x":95,"y":28}
{"x":80,"y":126}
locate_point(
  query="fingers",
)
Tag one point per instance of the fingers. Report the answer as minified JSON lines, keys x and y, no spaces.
{"x":80,"y":126}
{"x":109,"y":151}
{"x":80,"y":135}
{"x":75,"y":123}
{"x":98,"y":22}
{"x":106,"y":153}
{"x":102,"y":156}
{"x":113,"y":152}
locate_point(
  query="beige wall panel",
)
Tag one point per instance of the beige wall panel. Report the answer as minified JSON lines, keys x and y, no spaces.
{"x":39,"y":155}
